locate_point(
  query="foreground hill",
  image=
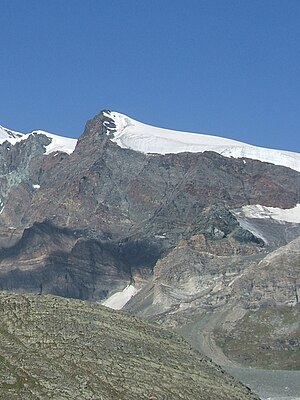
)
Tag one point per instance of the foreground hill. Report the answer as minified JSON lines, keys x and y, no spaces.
{"x":67,"y":349}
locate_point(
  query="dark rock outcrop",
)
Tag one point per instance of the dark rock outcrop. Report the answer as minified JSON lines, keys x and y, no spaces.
{"x":48,"y":259}
{"x":120,"y":192}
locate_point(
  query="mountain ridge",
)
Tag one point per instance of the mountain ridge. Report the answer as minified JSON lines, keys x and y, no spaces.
{"x":129,"y":133}
{"x":132,"y":134}
{"x":56,"y":142}
{"x":180,"y":229}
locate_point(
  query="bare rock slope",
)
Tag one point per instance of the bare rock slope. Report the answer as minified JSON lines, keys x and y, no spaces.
{"x":57,"y":348}
{"x":222,"y":301}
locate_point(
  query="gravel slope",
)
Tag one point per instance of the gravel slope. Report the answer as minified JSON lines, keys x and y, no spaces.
{"x":56,"y":348}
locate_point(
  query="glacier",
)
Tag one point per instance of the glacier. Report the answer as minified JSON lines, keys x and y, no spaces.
{"x":135,"y":135}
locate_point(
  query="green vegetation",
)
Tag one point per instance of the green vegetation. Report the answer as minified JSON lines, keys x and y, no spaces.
{"x":267,"y":338}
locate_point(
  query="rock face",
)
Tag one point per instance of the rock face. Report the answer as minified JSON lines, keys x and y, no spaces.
{"x":277,"y":282}
{"x":57,"y":348}
{"x":87,"y":224}
{"x":244,"y":302}
{"x":120,"y":192}
{"x":48,"y":259}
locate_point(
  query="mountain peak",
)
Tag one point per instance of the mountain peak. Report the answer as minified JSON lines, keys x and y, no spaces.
{"x":131,"y":134}
{"x":57,"y":143}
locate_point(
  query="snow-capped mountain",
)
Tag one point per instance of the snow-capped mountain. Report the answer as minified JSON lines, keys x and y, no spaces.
{"x":58,"y":143}
{"x":168,"y":235}
{"x":128,"y":133}
{"x":131,"y":134}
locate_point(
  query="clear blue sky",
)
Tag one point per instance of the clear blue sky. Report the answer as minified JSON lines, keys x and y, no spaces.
{"x":226,"y":67}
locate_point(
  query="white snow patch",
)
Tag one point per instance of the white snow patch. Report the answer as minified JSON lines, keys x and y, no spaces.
{"x":279,"y":214}
{"x":148,"y":139}
{"x":58,"y":143}
{"x":8,"y":133}
{"x":119,"y":299}
{"x":249,"y":227}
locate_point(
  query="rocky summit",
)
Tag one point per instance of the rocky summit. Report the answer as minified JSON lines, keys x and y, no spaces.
{"x":203,"y":230}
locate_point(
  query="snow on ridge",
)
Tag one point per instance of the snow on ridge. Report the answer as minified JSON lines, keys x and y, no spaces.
{"x":119,"y":299}
{"x":279,"y":214}
{"x":7,"y":134}
{"x":247,"y":215}
{"x":58,"y":143}
{"x":148,"y":139}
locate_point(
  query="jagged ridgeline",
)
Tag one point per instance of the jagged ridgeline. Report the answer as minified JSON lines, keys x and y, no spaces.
{"x":52,"y":347}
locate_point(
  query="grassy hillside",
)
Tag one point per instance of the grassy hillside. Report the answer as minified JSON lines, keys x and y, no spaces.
{"x":267,"y":338}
